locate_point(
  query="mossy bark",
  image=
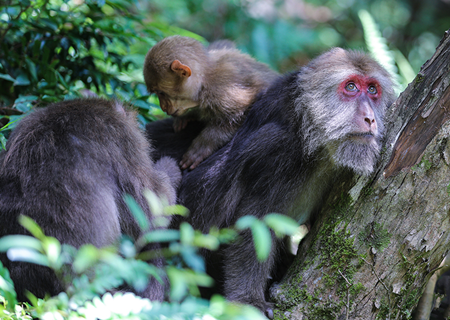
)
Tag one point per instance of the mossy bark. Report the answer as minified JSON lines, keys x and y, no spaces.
{"x":372,"y":250}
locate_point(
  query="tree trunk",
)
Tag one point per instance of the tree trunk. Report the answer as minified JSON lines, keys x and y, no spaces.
{"x":371,"y":252}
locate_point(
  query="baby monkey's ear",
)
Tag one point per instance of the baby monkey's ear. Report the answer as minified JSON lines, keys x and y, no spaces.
{"x":181,"y":69}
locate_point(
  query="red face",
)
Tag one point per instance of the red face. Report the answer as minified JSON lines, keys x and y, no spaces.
{"x":366,"y":92}
{"x":357,"y":85}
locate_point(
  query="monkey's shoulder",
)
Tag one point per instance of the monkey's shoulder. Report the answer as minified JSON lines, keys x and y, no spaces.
{"x":238,"y":66}
{"x":78,"y":115}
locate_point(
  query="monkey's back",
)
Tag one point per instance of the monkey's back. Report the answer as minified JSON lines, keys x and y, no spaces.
{"x":57,"y":169}
{"x":233,"y":83}
{"x":265,"y":146}
{"x":67,"y":167}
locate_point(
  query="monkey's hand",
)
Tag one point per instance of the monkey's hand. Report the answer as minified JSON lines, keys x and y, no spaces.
{"x":179,"y":123}
{"x":211,"y":138}
{"x":196,"y":154}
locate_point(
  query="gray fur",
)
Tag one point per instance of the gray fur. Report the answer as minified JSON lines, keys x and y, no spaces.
{"x":67,"y":167}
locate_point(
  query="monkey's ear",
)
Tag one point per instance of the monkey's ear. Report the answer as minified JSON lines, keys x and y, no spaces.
{"x":181,"y":69}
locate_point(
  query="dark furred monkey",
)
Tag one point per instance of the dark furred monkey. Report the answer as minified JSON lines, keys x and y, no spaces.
{"x":214,"y":85}
{"x":67,"y":167}
{"x":310,"y":126}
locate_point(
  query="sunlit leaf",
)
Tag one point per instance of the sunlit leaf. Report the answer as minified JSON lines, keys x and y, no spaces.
{"x":52,"y":249}
{"x":193,"y":260}
{"x":186,"y":233}
{"x":86,"y":256}
{"x":208,"y":241}
{"x":164,"y":235}
{"x":27,"y":255}
{"x":178,"y":285}
{"x":377,"y":46}
{"x":7,"y":288}
{"x":245,"y":222}
{"x":281,"y":224}
{"x":262,"y":239}
{"x":176,"y":209}
{"x":155,"y":203}
{"x":137,"y":212}
{"x":19,"y":241}
{"x":32,"y":227}
{"x":261,"y":235}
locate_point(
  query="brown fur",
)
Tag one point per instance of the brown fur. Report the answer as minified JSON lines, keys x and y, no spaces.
{"x":219,"y":81}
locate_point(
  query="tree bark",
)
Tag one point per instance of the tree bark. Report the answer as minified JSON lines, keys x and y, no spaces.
{"x":370,"y":253}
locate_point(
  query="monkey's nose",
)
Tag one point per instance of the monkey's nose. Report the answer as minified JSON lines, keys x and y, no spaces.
{"x":369,"y":120}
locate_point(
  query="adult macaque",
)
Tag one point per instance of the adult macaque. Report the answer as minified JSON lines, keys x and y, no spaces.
{"x":214,"y":85}
{"x":308,"y":127}
{"x":67,"y":167}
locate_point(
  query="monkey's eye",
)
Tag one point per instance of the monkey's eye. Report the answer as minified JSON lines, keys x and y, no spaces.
{"x":372,"y":90}
{"x":351,"y":87}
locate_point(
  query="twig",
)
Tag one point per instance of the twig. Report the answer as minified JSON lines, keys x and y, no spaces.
{"x":348,"y":294}
{"x":22,"y":10}
{"x":381,"y":281}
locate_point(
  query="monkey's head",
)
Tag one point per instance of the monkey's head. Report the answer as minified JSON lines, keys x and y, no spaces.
{"x":174,"y":70}
{"x":341,"y":102}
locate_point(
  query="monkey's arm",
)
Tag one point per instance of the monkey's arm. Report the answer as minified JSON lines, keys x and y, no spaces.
{"x":211,"y":138}
{"x":180,"y":122}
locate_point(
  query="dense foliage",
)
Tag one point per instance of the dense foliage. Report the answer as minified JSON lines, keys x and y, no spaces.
{"x":287,"y":32}
{"x":57,"y":49}
{"x":89,"y":273}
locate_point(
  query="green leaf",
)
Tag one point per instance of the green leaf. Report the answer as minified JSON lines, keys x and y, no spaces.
{"x":86,"y":256}
{"x":262,"y":239}
{"x":30,"y":98}
{"x":2,"y":140}
{"x":22,"y":80}
{"x":165,"y":235}
{"x":25,"y":103}
{"x":52,"y":248}
{"x":186,"y":233}
{"x":178,"y":285}
{"x":19,"y":241}
{"x":281,"y":224}
{"x":27,"y":255}
{"x":13,"y":122}
{"x":140,"y":104}
{"x":7,"y":77}
{"x":404,"y":67}
{"x":32,"y":227}
{"x":176,"y":209}
{"x":31,"y":68}
{"x":207,"y":241}
{"x":261,"y":235}
{"x":193,"y":260}
{"x":377,"y":46}
{"x":7,"y":288}
{"x":245,"y":222}
{"x":137,"y":212}
{"x":183,"y":280}
{"x":154,"y":202}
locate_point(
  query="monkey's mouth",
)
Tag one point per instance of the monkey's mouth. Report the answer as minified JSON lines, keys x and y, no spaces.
{"x":364,"y":136}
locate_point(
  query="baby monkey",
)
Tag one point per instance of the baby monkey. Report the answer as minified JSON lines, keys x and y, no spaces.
{"x":213,"y":84}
